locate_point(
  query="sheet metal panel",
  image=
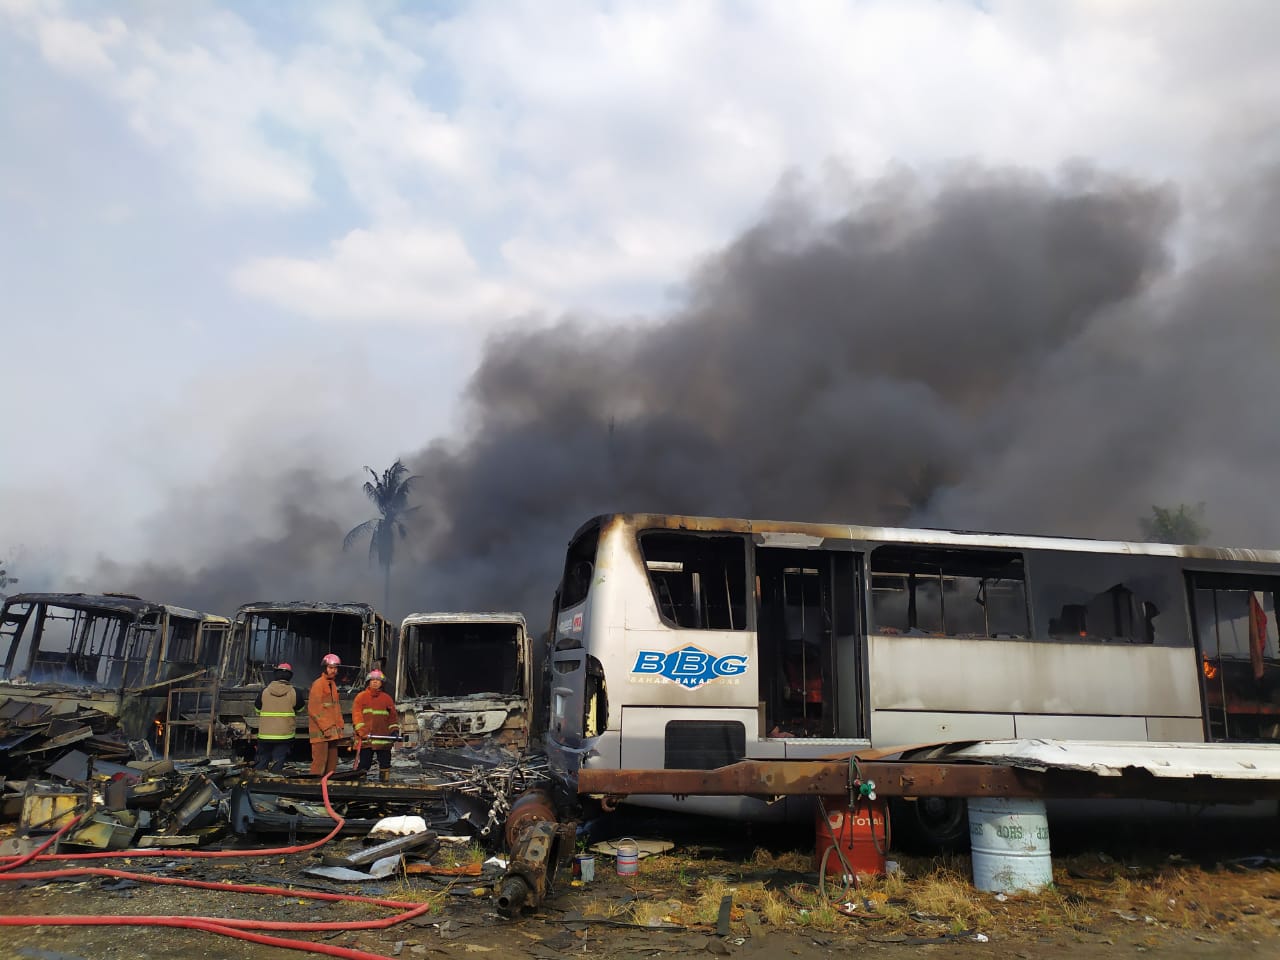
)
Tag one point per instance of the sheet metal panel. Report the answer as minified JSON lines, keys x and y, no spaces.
{"x":1232,"y":761}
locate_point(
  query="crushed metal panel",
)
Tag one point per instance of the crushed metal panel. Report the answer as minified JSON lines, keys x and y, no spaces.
{"x":1233,"y":761}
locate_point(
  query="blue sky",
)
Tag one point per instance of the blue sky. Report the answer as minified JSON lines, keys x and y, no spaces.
{"x":239,"y":237}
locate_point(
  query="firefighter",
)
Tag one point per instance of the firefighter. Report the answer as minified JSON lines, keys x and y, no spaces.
{"x":324,"y":712}
{"x":376,"y":724}
{"x":276,"y":705}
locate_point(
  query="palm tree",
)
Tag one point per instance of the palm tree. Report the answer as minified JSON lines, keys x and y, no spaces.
{"x":1181,"y":524}
{"x":390,"y":494}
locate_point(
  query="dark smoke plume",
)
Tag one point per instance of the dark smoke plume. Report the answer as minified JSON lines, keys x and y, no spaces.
{"x":996,"y":350}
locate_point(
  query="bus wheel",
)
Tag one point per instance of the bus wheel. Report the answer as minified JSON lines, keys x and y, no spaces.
{"x":931,"y":824}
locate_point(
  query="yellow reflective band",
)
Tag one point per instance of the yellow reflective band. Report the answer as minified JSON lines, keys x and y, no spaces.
{"x":359,"y":725}
{"x":270,"y":713}
{"x":275,"y":736}
{"x":375,"y":713}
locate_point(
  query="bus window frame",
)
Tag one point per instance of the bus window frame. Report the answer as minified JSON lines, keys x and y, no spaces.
{"x":745,"y":601}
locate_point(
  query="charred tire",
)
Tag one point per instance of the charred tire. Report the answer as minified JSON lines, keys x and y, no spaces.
{"x":931,"y":824}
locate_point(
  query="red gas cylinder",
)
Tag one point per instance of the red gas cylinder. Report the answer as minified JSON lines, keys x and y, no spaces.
{"x":862,"y":833}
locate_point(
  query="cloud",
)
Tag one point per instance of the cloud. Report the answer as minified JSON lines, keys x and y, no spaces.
{"x":604,"y":149}
{"x":197,"y":87}
{"x":416,"y":275}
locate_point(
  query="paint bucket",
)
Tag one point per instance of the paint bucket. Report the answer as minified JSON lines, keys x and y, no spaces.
{"x":1009,"y":839}
{"x":862,"y":834}
{"x":628,"y":857}
{"x":584,"y":867}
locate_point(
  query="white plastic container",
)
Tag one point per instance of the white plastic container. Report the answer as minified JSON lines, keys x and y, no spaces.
{"x":1010,"y":845}
{"x":628,"y":857}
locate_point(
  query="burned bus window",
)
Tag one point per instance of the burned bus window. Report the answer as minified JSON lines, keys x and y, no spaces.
{"x":180,"y":647}
{"x":930,"y":591}
{"x":459,"y":659}
{"x":578,"y":567}
{"x":16,"y":632}
{"x":1107,"y":597}
{"x":90,"y":644}
{"x":1239,"y":640}
{"x":301,"y":638}
{"x":698,"y":582}
{"x":212,"y":637}
{"x":1237,"y":624}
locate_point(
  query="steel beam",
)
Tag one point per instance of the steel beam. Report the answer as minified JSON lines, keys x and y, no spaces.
{"x":782,"y":778}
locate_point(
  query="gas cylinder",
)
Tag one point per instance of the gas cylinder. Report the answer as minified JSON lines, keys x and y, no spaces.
{"x":862,"y":833}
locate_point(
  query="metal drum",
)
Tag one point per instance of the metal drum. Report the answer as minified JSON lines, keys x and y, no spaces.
{"x":628,"y":858}
{"x":1010,"y":844}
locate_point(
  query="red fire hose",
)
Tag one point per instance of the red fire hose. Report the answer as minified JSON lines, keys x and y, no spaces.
{"x":239,"y":929}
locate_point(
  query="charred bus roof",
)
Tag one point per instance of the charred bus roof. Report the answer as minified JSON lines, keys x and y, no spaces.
{"x":416,"y":618}
{"x":784,"y":533}
{"x":124,"y":604}
{"x":306,"y":606}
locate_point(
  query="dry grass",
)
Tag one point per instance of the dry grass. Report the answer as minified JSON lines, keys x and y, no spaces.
{"x":1090,"y":897}
{"x":453,"y":855}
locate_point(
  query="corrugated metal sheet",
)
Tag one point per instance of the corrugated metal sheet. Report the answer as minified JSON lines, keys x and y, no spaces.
{"x":1231,"y":761}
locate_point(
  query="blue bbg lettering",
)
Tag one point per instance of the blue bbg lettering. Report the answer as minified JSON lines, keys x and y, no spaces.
{"x":689,"y":663}
{"x":730,"y":666}
{"x":649,"y":661}
{"x":689,"y":666}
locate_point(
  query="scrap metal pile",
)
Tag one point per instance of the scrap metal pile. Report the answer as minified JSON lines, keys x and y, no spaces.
{"x":56,"y":767}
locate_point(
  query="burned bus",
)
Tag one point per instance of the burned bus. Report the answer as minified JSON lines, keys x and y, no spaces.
{"x":688,"y":642}
{"x":298,"y":633}
{"x":466,"y":680}
{"x":112,"y":652}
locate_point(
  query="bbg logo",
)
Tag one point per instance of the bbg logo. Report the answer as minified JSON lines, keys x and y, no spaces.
{"x":689,"y":666}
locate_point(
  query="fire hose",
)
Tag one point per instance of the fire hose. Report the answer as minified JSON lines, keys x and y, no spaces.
{"x":238,"y":929}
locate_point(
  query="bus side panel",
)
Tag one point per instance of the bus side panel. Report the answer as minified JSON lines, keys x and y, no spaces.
{"x":977,"y":676}
{"x":1175,"y":729}
{"x":902,"y":727}
{"x":1051,"y":727}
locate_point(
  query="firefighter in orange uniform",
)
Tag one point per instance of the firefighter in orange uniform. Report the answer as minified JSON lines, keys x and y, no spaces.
{"x":324,"y":711}
{"x":376,"y":724}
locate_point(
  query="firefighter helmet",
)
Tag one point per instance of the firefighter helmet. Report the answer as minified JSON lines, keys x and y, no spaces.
{"x":376,"y":675}
{"x":284,"y":666}
{"x":331,"y":658}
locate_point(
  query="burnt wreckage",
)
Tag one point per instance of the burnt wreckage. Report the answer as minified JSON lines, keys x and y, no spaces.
{"x":466,"y":680}
{"x":299,"y":633}
{"x":115,"y":654}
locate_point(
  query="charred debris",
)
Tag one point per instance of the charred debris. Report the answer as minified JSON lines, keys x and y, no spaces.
{"x":130,"y":725}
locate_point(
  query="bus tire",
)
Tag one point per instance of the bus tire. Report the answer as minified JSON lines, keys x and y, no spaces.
{"x":931,"y":824}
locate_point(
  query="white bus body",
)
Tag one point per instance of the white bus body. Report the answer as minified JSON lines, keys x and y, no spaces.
{"x":685,"y":642}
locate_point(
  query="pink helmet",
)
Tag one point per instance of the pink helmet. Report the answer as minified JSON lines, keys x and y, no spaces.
{"x":284,"y":666}
{"x":331,"y":658}
{"x":376,"y":675}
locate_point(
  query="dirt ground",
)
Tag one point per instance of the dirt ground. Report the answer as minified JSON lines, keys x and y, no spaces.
{"x":1190,"y":894}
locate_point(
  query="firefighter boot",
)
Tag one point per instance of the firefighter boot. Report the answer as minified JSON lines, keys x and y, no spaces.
{"x":384,"y":773}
